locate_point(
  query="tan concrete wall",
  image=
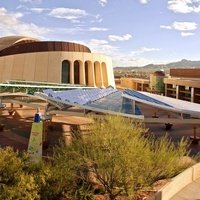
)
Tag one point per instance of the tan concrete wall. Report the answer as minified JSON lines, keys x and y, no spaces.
{"x":98,"y":74}
{"x":46,"y":66}
{"x":7,"y":68}
{"x":178,"y":183}
{"x":41,"y":66}
{"x":104,"y":74}
{"x":1,"y":67}
{"x":128,"y":83}
{"x":29,"y":67}
{"x":17,"y":71}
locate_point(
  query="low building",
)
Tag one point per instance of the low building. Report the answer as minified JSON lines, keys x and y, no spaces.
{"x":28,"y":59}
{"x":134,"y":83}
{"x":183,"y":84}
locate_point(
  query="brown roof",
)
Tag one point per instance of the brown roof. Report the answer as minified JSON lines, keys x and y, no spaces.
{"x":8,"y":41}
{"x":159,"y":73}
{"x":18,"y":44}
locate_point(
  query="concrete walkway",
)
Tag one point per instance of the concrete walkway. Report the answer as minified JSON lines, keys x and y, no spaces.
{"x":190,"y":192}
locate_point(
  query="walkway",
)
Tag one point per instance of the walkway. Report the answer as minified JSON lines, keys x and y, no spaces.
{"x":190,"y":192}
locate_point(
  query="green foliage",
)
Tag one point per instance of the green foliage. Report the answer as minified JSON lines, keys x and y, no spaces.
{"x":15,"y":183}
{"x":120,"y":158}
{"x":114,"y":159}
{"x":166,"y":156}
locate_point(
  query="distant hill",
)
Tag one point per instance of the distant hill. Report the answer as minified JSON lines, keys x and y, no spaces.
{"x":179,"y":64}
{"x":184,"y":63}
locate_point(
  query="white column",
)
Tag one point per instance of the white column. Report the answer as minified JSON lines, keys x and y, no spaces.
{"x":101,"y":75}
{"x":72,"y":72}
{"x":142,"y":86}
{"x":98,"y":74}
{"x":82,"y":73}
{"x":165,"y":89}
{"x":192,"y":94}
{"x":91,"y":77}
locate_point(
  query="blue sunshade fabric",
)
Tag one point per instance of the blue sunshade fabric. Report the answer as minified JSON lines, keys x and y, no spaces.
{"x":80,"y":96}
{"x":143,"y":97}
{"x":114,"y":102}
{"x":108,"y":99}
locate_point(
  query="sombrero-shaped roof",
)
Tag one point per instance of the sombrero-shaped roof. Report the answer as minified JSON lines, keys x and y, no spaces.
{"x":12,"y":40}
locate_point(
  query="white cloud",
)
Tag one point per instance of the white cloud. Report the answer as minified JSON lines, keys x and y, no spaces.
{"x":71,"y":31}
{"x":184,"y":6}
{"x":166,"y":27}
{"x":11,"y":24}
{"x":100,"y":46}
{"x":119,"y":38}
{"x":133,"y":58}
{"x":77,"y":30}
{"x":184,"y":26}
{"x":98,"y":18}
{"x":144,"y":1}
{"x":120,"y":58}
{"x":39,"y":10}
{"x":31,"y":1}
{"x":68,"y":13}
{"x":185,"y":34}
{"x":126,"y":60}
{"x":102,"y":2}
{"x":144,"y":50}
{"x":95,"y":42}
{"x":98,"y":29}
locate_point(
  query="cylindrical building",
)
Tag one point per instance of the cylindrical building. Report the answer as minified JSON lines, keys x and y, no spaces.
{"x":28,"y":59}
{"x":157,"y":82}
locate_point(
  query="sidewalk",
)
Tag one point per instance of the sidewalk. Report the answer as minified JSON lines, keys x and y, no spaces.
{"x":190,"y":192}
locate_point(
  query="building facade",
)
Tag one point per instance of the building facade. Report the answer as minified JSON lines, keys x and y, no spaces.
{"x":134,"y":83}
{"x":28,"y":59}
{"x":183,"y":84}
{"x":157,"y":82}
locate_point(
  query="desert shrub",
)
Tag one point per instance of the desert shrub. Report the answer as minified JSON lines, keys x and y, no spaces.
{"x":166,"y":157}
{"x":119,"y":158}
{"x":116,"y":158}
{"x":22,"y":179}
{"x":15,"y":183}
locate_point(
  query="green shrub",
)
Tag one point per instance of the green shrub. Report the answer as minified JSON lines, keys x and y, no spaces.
{"x":120,"y":158}
{"x":114,"y":159}
{"x":166,"y":158}
{"x":15,"y":183}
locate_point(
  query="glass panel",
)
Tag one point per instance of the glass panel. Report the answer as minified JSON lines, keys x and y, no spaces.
{"x":76,"y":73}
{"x":86,"y":73}
{"x":65,"y":71}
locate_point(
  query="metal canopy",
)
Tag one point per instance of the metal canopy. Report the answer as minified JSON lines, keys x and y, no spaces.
{"x":126,"y":103}
{"x":163,"y":102}
{"x":107,"y":100}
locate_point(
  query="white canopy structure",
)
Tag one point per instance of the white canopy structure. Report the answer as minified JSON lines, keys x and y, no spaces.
{"x":127,"y":103}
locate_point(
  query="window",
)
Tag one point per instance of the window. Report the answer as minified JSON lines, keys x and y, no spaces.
{"x":65,"y":71}
{"x":76,"y":72}
{"x":86,"y":73}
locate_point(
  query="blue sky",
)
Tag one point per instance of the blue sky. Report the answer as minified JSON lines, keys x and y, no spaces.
{"x":132,"y":32}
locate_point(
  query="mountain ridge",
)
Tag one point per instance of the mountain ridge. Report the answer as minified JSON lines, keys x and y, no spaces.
{"x":184,"y":63}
